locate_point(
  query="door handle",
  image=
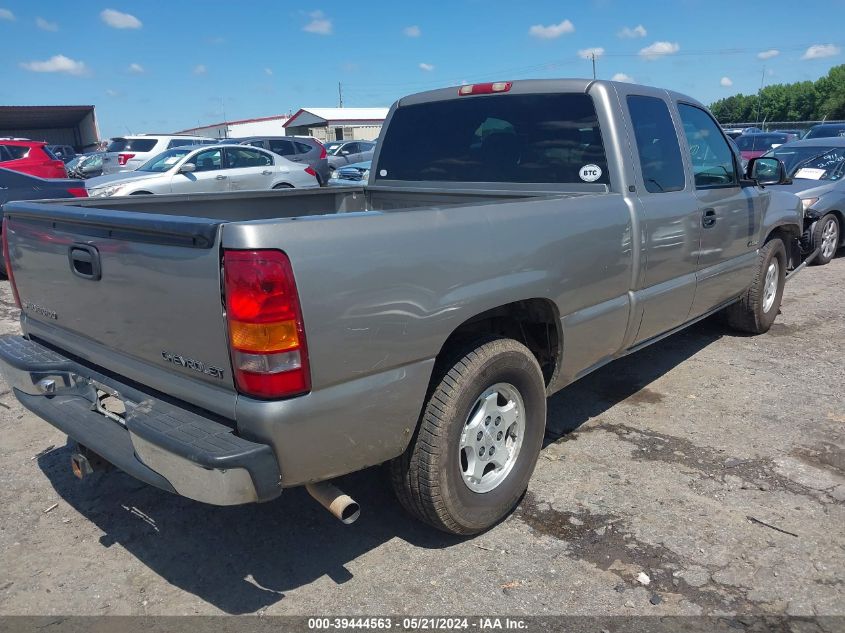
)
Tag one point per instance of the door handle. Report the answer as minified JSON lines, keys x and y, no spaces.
{"x":266,"y":172}
{"x":220,"y":177}
{"x":708,"y":219}
{"x":85,"y":261}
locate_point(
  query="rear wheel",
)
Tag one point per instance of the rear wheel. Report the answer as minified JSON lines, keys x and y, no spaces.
{"x":283,"y":185}
{"x":478,"y":438}
{"x":759,"y":306}
{"x":825,"y":235}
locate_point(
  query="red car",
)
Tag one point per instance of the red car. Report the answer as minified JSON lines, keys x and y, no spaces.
{"x":30,"y":157}
{"x":754,"y":145}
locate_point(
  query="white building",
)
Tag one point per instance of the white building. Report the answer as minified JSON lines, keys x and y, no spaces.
{"x":337,"y":124}
{"x":264,"y":126}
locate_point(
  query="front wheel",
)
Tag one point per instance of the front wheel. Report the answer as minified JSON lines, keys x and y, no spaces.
{"x":825,"y":236}
{"x":759,"y":306}
{"x":478,"y":438}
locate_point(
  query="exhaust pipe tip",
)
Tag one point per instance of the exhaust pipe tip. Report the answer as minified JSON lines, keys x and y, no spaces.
{"x":340,"y":505}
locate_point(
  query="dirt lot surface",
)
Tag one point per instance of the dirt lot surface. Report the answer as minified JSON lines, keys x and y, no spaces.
{"x":712,"y":463}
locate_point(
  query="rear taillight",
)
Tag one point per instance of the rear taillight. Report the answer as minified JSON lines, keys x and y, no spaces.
{"x":78,"y":192}
{"x":310,"y":171}
{"x":323,"y":153}
{"x":122,"y":159}
{"x":266,"y":333}
{"x":7,"y":261}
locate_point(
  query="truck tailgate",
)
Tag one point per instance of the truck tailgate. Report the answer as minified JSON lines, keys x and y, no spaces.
{"x":144,"y":287}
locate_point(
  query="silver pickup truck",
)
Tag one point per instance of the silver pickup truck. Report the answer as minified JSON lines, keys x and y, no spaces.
{"x":224,"y":347}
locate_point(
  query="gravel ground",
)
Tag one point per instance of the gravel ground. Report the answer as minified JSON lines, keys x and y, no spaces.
{"x":712,"y":463}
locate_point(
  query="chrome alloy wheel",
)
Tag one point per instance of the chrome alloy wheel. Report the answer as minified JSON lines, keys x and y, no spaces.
{"x":492,"y":437}
{"x":770,"y":287}
{"x":830,"y":238}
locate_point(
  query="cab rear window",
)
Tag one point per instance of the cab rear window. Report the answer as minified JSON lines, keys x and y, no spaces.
{"x":537,"y":138}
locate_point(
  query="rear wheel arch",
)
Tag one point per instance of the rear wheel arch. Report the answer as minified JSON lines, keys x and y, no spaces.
{"x":533,"y":322}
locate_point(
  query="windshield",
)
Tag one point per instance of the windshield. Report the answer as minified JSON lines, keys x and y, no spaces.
{"x":165,"y":160}
{"x":331,"y":148}
{"x":823,"y":131}
{"x":827,"y":166}
{"x":532,"y":138}
{"x":129,"y":144}
{"x":792,"y":156}
{"x":759,"y":142}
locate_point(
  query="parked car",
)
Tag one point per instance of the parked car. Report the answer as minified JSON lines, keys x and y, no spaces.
{"x":817,"y":168}
{"x":206,"y":169}
{"x":15,"y":185}
{"x":30,"y":157}
{"x":64,"y":153}
{"x":86,"y":165}
{"x":421,"y":321}
{"x":793,"y":135}
{"x":342,"y":153}
{"x":825,"y":130}
{"x":735,"y":132}
{"x":126,"y":153}
{"x":355,"y":174}
{"x":754,"y":145}
{"x":299,"y":149}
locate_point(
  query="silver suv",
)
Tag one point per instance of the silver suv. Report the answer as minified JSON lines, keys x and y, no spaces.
{"x":127,"y":153}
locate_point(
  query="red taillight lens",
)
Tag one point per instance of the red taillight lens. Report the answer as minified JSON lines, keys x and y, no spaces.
{"x":122,"y":159}
{"x":78,"y":192}
{"x":323,"y":153}
{"x":7,"y":261}
{"x":310,"y":171}
{"x":485,"y":89}
{"x":266,"y":333}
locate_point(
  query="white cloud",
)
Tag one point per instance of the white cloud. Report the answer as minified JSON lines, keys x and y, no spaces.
{"x":57,"y":64}
{"x":426,"y":67}
{"x":45,"y":25}
{"x":319,"y":24}
{"x":637,"y":31}
{"x":772,"y":52}
{"x":268,"y":71}
{"x":200,"y":69}
{"x":412,"y":31}
{"x":112,"y":93}
{"x":551,"y":31}
{"x":623,"y":77}
{"x":118,"y":20}
{"x":726,"y":82}
{"x":5,"y":14}
{"x":587,"y":53}
{"x":136,"y":69}
{"x":820,"y":51}
{"x":659,"y":49}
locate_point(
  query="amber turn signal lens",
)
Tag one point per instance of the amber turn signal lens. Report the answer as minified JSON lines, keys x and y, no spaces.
{"x":264,"y":337}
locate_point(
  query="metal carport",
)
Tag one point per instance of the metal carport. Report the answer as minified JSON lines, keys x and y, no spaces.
{"x":59,"y":125}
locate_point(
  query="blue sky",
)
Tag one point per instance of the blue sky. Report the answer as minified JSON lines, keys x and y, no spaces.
{"x":165,"y":65}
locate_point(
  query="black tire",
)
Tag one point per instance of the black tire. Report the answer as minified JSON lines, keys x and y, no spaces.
{"x":747,"y":314}
{"x":817,"y":230}
{"x":140,"y":193}
{"x":283,"y":185}
{"x":428,"y":477}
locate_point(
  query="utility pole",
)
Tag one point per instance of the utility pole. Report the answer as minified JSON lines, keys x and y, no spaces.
{"x":593,"y":55}
{"x":340,"y":93}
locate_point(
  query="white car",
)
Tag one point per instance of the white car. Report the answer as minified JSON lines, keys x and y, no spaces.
{"x":127,"y":153}
{"x":206,"y":169}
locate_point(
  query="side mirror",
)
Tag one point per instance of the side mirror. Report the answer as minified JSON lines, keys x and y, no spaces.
{"x":187,"y":168}
{"x":767,"y":171}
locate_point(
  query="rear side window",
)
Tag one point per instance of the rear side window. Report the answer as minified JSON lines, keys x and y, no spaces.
{"x":303,"y":148}
{"x":16,"y":152}
{"x":179,"y":142}
{"x":283,"y":148}
{"x":131,"y":144}
{"x":535,"y":138}
{"x":657,"y":144}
